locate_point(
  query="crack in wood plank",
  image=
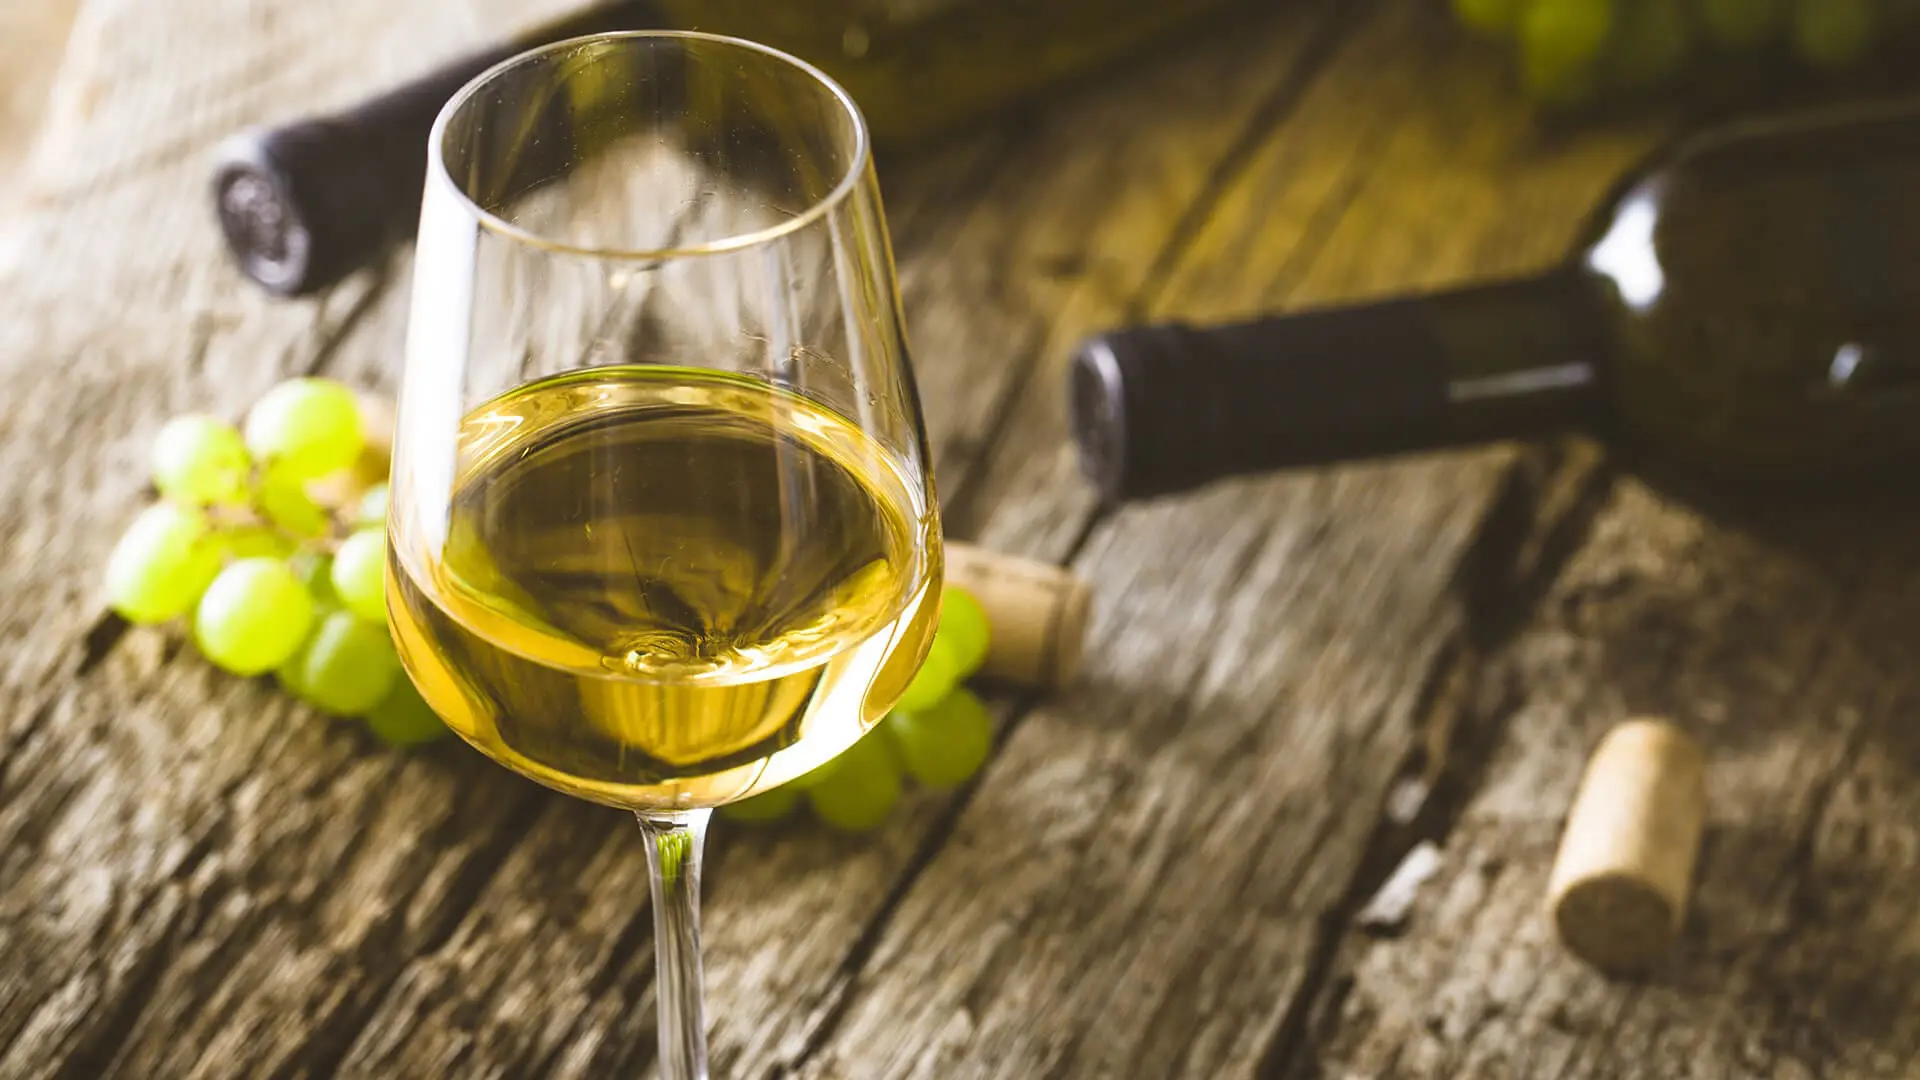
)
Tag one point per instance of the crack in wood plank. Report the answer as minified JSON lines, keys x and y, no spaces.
{"x":635,"y":938}
{"x":94,"y":1057}
{"x":331,"y":1044}
{"x":1791,"y":663}
{"x":1544,"y":511}
{"x":368,"y":291}
{"x":1322,"y":46}
{"x":1341,"y":194}
{"x":1799,"y":864}
{"x":98,"y":642}
{"x":21,"y":740}
{"x":1619,"y":1015}
{"x":840,"y":994}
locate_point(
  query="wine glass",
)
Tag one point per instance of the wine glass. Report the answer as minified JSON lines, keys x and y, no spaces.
{"x":663,"y":532}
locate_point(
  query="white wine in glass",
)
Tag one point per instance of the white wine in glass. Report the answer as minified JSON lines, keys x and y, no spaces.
{"x":663,"y":532}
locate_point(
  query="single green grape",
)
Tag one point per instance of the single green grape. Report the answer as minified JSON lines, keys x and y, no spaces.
{"x":373,"y":507}
{"x":769,"y":805}
{"x":348,"y":665}
{"x":200,"y":459}
{"x":284,"y":501}
{"x":860,"y":789}
{"x":160,"y":567}
{"x":963,"y":624}
{"x":403,"y":717}
{"x":1740,"y":25}
{"x":315,"y":571}
{"x":945,"y":745}
{"x":1833,"y":34}
{"x":809,"y":778}
{"x":1560,"y":40}
{"x":1650,"y":44}
{"x":292,"y":672}
{"x":306,"y":428}
{"x":1488,"y":16}
{"x":254,"y":616}
{"x":939,"y":673}
{"x":359,"y":575}
{"x":251,"y":541}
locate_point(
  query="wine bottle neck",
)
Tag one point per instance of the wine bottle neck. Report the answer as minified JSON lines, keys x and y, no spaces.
{"x":1161,"y":408}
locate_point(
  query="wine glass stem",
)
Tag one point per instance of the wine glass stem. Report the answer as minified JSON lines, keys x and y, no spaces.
{"x":674,"y":843}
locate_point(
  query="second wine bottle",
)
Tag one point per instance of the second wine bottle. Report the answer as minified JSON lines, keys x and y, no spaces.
{"x":1746,"y":310}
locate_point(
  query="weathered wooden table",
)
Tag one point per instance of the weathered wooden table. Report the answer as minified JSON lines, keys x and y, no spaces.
{"x":1293,"y":681}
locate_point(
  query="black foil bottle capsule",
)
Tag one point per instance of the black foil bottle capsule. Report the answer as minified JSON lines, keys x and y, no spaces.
{"x":1744,"y":310}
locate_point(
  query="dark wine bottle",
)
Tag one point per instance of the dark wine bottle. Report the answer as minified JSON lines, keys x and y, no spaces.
{"x":1743,"y":313}
{"x":304,"y":202}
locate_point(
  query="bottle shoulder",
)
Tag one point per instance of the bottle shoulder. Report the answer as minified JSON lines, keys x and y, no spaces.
{"x":1812,"y":210}
{"x":1761,"y":295}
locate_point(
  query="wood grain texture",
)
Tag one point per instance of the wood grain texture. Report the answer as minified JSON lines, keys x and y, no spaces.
{"x":1292,"y":680}
{"x":1786,"y":648}
{"x":1143,"y":883}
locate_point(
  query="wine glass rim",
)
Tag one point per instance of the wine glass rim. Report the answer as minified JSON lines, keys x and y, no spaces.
{"x":856,"y":165}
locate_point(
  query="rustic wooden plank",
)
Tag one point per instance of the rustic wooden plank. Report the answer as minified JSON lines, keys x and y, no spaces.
{"x":981,"y":230}
{"x":1787,"y":649}
{"x":1136,"y":887}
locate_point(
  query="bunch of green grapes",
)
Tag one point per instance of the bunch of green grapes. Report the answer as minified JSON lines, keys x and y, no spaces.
{"x":939,"y":734}
{"x":1571,"y":52}
{"x":267,"y":575}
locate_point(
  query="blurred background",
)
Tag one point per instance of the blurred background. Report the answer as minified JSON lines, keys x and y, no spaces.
{"x":1571,"y":57}
{"x":920,"y":68}
{"x":33,"y":34}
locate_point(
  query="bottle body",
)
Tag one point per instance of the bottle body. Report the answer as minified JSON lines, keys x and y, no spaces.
{"x":1746,"y":309}
{"x":1762,"y":290}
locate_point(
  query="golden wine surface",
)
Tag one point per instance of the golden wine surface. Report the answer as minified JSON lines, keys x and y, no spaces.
{"x":665,"y":588}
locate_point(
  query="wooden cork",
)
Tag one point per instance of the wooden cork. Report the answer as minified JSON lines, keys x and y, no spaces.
{"x":1620,"y":882}
{"x":1036,"y":614}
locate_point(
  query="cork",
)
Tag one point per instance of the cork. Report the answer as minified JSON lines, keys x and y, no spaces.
{"x":1620,"y":882}
{"x":1036,"y":614}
